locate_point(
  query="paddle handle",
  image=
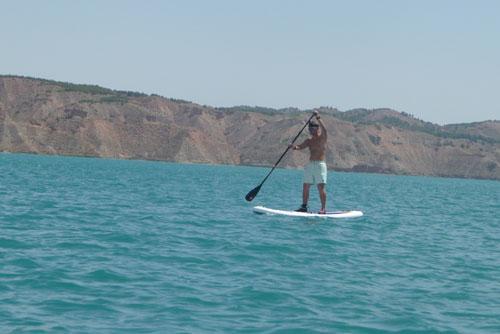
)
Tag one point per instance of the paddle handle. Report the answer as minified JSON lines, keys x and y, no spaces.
{"x":293,"y":141}
{"x":252,"y":193}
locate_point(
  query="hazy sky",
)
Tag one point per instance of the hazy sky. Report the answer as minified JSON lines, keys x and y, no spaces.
{"x":438,"y":60}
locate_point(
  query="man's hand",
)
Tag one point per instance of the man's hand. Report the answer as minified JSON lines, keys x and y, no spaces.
{"x":293,"y":147}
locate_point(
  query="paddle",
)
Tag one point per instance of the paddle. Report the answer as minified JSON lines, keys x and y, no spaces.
{"x":252,"y":193}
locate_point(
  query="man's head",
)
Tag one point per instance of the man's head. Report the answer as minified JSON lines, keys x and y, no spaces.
{"x":313,"y":127}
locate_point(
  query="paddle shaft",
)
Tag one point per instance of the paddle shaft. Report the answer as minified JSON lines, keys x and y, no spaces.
{"x":293,"y":141}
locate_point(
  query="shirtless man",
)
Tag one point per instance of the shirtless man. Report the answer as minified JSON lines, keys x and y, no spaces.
{"x":315,"y":172}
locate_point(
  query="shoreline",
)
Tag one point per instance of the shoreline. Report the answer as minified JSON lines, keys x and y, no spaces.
{"x":338,"y":170}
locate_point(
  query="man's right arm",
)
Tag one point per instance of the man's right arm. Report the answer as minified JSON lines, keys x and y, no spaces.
{"x":301,"y":146}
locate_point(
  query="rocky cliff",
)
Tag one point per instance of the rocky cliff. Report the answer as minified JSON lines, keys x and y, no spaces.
{"x":48,"y":117}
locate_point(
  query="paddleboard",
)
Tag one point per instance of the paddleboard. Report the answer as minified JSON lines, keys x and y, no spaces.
{"x":332,"y":214}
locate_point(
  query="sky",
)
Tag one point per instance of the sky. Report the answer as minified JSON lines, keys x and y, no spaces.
{"x":438,"y":60}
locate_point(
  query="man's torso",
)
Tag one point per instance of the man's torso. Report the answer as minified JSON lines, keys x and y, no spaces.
{"x":317,"y":148}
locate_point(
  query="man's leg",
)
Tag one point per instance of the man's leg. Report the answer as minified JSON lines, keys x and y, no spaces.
{"x":305,"y":198}
{"x":322,"y":197}
{"x":305,"y":193}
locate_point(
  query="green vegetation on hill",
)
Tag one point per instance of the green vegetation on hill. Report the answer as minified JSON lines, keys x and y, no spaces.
{"x":411,"y":123}
{"x":434,"y":130}
{"x":114,"y":99}
{"x":87,"y":89}
{"x":362,"y":116}
{"x":81,"y":88}
{"x":260,"y":110}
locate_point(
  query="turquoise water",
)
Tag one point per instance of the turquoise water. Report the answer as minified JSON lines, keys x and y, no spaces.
{"x":108,"y":246}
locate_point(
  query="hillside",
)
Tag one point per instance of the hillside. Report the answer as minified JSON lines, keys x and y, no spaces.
{"x":48,"y":117}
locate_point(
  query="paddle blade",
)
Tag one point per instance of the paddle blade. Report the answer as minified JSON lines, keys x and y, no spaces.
{"x":252,"y":193}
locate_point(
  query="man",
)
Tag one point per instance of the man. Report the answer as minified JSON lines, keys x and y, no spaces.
{"x":315,"y":172}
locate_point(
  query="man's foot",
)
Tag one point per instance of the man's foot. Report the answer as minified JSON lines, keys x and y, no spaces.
{"x":303,"y":208}
{"x":322,"y":212}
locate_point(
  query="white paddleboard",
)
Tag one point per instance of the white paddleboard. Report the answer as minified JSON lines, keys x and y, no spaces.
{"x":332,"y":214}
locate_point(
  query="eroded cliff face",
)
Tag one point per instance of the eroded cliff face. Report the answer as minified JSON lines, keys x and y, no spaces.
{"x":47,"y":117}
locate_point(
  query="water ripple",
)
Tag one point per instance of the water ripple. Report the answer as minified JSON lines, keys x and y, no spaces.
{"x":91,"y":245}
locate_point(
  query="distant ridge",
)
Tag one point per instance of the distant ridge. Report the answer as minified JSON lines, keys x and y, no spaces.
{"x":52,"y":117}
